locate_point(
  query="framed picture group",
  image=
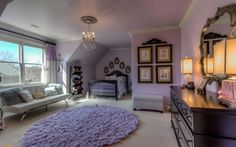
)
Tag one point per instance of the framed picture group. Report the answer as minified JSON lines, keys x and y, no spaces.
{"x":163,"y":54}
{"x":163,"y":74}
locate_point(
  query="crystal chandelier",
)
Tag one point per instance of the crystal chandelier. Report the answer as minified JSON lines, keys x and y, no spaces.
{"x":88,"y":37}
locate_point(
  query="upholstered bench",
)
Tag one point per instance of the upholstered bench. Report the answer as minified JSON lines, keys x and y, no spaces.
{"x":148,"y":102}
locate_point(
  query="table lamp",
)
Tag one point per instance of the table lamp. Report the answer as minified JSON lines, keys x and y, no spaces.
{"x":208,"y":65}
{"x":219,"y":58}
{"x":187,"y":70}
{"x":230,"y":67}
{"x":228,"y":93}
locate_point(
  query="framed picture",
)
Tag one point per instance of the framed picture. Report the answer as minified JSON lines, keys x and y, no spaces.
{"x":106,"y":70}
{"x":145,"y":55}
{"x":164,"y":73}
{"x":122,"y":65}
{"x":116,"y":60}
{"x":164,"y":53}
{"x":145,"y":74}
{"x":127,"y":69}
{"x":111,"y":65}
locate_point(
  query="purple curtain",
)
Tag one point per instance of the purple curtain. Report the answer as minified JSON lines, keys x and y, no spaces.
{"x":50,"y":52}
{"x":51,"y":64}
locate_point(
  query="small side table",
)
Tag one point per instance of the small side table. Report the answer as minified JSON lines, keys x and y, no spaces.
{"x":1,"y":120}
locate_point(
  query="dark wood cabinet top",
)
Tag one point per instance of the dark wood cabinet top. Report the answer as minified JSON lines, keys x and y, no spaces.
{"x":197,"y":101}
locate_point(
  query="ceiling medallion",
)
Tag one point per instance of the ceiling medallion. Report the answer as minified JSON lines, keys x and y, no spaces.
{"x":88,"y":37}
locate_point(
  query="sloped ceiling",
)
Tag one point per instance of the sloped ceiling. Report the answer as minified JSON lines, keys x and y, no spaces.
{"x":88,"y":58}
{"x":60,"y":19}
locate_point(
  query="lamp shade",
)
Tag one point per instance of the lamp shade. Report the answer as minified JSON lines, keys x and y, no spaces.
{"x":219,"y":58}
{"x":187,"y":66}
{"x":208,"y":65}
{"x":231,"y":56}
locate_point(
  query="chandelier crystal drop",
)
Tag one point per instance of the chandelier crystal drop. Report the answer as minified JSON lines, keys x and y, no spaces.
{"x":88,"y":37}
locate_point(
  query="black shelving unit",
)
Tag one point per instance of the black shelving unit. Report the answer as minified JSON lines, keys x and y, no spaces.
{"x":1,"y":120}
{"x":76,"y":79}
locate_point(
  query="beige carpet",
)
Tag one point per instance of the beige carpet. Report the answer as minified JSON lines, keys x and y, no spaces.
{"x":154,"y":128}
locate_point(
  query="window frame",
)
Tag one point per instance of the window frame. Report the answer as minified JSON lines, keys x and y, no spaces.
{"x":21,"y":63}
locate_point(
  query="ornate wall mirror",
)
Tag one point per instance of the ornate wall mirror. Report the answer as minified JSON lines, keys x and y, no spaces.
{"x":216,"y":30}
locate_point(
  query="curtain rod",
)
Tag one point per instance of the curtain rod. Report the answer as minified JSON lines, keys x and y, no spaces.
{"x":41,"y":40}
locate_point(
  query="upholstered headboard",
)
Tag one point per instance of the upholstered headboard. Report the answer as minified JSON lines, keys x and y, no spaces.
{"x":119,"y":73}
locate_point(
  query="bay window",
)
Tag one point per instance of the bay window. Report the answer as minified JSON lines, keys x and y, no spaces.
{"x":20,"y":63}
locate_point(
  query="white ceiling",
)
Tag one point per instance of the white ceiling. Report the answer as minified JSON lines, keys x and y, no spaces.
{"x":60,"y":19}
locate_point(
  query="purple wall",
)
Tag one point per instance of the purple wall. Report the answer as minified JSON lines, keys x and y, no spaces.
{"x":191,"y":28}
{"x":123,"y":54}
{"x":172,"y":37}
{"x":73,"y":55}
{"x":3,"y":5}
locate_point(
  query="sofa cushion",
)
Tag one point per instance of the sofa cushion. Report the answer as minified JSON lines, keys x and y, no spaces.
{"x":38,"y":95}
{"x":58,"y":87}
{"x":26,"y":95}
{"x":23,"y":107}
{"x":49,"y":91}
{"x":35,"y":89}
{"x":11,"y":96}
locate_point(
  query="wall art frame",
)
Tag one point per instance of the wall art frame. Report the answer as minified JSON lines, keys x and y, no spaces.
{"x":116,"y":60}
{"x":145,"y":74}
{"x":164,"y":74}
{"x":106,"y":70}
{"x":145,"y":55}
{"x":127,"y":69}
{"x":111,"y":65}
{"x":164,"y":53}
{"x":122,"y":65}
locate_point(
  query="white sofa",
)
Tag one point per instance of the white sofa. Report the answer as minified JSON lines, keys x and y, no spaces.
{"x":17,"y":106}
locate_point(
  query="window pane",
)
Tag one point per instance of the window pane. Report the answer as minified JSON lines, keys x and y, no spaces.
{"x":9,"y":73}
{"x":33,"y":73}
{"x":9,"y":51}
{"x":33,"y":55}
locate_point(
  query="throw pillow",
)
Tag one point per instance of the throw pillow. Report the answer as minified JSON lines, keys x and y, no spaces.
{"x":26,"y":95}
{"x":49,"y":91}
{"x":10,"y":96}
{"x":58,"y":87}
{"x":38,"y":95}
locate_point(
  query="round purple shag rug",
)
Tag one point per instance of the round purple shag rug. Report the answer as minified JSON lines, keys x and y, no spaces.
{"x":90,"y":126}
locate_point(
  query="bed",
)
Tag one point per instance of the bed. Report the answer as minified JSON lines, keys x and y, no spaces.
{"x":115,"y":85}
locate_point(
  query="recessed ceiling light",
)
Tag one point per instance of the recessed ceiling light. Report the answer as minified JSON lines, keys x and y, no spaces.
{"x":35,"y":26}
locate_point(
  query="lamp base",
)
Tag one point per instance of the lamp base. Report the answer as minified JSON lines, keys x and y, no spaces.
{"x":228,"y":103}
{"x":189,"y":85}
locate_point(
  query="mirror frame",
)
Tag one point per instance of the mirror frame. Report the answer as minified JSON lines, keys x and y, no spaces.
{"x":231,"y":10}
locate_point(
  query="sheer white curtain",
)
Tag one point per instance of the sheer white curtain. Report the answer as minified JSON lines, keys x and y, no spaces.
{"x":51,"y":64}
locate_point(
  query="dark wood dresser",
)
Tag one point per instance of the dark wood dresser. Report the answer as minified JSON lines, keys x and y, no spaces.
{"x":200,"y":121}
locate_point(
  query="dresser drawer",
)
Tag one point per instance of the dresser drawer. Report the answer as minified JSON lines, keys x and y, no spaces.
{"x":183,"y":109}
{"x":187,"y":114}
{"x":174,"y":97}
{"x":186,"y":133}
{"x":182,"y":141}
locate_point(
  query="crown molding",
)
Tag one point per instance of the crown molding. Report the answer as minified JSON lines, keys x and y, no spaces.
{"x":22,"y":31}
{"x":152,"y":30}
{"x":188,"y":12}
